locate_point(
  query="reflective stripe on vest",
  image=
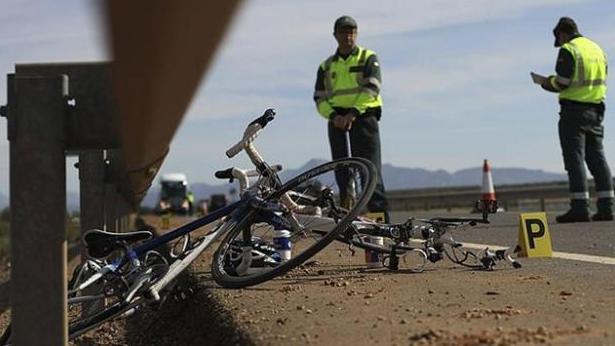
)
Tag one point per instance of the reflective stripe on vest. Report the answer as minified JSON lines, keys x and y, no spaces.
{"x":588,"y":83}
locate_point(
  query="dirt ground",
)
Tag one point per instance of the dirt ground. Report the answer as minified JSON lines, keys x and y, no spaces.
{"x":334,"y":300}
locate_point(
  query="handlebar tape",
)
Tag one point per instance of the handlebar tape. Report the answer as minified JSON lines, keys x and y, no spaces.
{"x":251,"y":132}
{"x":224,"y":174}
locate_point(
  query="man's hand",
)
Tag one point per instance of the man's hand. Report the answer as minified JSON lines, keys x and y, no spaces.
{"x":344,"y":122}
{"x":538,"y":79}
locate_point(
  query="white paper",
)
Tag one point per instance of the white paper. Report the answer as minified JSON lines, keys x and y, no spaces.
{"x":538,"y":79}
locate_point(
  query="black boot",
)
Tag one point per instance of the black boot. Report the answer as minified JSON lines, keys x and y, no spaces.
{"x":602,"y":217}
{"x":573,"y":216}
{"x":579,"y":212}
{"x":605,"y":210}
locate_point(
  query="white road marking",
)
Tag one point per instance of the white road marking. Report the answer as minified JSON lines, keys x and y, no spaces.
{"x":556,"y":254}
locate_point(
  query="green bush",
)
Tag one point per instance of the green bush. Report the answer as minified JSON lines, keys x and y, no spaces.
{"x":5,"y":214}
{"x":5,"y":241}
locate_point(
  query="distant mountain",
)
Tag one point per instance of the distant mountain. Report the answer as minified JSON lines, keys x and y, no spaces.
{"x":395,"y":178}
{"x":399,"y":178}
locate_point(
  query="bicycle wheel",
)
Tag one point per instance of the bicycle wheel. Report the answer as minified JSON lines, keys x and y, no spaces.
{"x":461,"y":256}
{"x":89,"y":307}
{"x":309,"y":219}
{"x":109,"y":296}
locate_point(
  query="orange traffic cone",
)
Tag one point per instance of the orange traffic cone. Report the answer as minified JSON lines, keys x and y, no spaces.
{"x":488,"y":191}
{"x":487,"y":204}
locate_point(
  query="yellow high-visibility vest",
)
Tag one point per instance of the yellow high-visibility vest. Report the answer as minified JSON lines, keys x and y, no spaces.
{"x":345,"y":85}
{"x":588,"y":82}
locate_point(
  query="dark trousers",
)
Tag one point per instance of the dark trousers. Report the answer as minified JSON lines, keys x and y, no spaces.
{"x":365,"y":143}
{"x":581,"y":133}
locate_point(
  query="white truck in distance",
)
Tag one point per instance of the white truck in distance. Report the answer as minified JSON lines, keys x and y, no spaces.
{"x":175,"y":195}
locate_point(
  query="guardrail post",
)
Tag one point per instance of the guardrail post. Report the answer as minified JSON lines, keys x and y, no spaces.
{"x":37,"y":133}
{"x":117,"y":210}
{"x":542,"y":204}
{"x":92,"y":200}
{"x":92,"y":189}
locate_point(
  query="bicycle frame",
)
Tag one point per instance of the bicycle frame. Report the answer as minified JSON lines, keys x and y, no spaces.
{"x":179,"y":265}
{"x":188,"y":228}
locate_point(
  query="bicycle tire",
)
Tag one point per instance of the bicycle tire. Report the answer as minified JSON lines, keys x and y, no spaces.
{"x":462,"y":257}
{"x":83,"y":325}
{"x":222,"y":271}
{"x":112,"y":305}
{"x":78,"y":321}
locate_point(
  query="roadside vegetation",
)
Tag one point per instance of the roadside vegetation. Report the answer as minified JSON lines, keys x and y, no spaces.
{"x":4,"y":234}
{"x":72,"y":232}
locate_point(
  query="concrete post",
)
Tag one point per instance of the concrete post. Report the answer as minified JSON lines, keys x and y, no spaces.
{"x":37,"y":117}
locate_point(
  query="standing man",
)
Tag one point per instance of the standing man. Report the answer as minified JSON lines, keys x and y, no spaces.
{"x":581,"y":83}
{"x":347,"y":94}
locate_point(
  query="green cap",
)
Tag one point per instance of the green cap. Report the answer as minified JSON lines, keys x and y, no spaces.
{"x":344,"y":21}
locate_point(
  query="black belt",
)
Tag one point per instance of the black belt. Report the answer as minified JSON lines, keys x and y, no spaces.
{"x":370,"y":112}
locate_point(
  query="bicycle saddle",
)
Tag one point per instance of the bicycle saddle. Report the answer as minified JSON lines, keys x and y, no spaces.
{"x":100,"y":244}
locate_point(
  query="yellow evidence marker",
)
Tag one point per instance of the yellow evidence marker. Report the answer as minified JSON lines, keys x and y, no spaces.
{"x":534,"y":237}
{"x":376,"y":216}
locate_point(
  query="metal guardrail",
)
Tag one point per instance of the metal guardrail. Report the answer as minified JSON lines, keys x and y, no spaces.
{"x":161,"y":50}
{"x":465,"y":196}
{"x":121,"y":129}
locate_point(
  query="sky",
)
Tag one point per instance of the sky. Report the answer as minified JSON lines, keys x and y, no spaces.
{"x":456,"y":84}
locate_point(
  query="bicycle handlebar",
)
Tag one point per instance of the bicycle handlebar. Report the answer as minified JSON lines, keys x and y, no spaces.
{"x":251,"y":132}
{"x":231,"y":173}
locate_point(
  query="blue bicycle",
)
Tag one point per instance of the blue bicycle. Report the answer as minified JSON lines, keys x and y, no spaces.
{"x":272,"y":229}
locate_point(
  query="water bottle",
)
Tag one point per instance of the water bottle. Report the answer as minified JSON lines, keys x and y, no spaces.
{"x":372,"y":258}
{"x":282,"y":244}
